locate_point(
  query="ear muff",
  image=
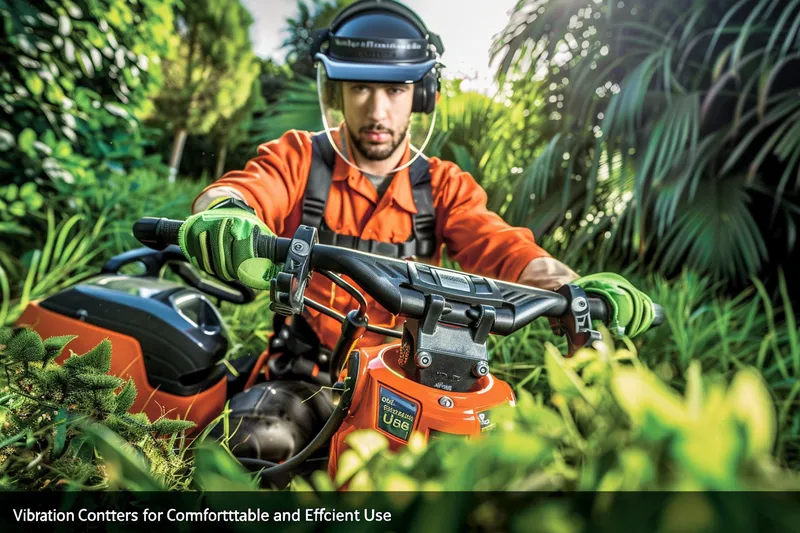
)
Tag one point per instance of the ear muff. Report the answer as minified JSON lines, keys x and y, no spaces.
{"x":425,"y":93}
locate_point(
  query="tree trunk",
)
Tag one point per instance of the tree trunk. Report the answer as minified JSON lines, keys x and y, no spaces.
{"x":177,"y":153}
{"x":222,"y":153}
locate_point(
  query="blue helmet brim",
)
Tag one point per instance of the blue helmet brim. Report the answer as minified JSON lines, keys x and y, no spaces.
{"x":374,"y":72}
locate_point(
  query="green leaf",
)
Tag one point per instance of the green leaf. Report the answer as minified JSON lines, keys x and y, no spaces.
{"x":56,"y":345}
{"x":97,"y":382}
{"x":11,"y":192}
{"x":6,"y":334}
{"x":217,"y":470}
{"x":35,"y":85}
{"x":98,"y":359}
{"x":17,"y":209}
{"x":62,"y":150}
{"x":60,"y":438}
{"x":27,"y":190}
{"x":26,"y":345}
{"x":752,"y":406}
{"x":125,"y":466}
{"x":25,"y":141}
{"x":167,"y":426}
{"x":651,"y":405}
{"x":349,"y":464}
{"x":562,"y":379}
{"x":367,"y":443}
{"x":125,"y":398}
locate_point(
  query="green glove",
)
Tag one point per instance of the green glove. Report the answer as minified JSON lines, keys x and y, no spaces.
{"x":220,"y":241}
{"x":631,"y":310}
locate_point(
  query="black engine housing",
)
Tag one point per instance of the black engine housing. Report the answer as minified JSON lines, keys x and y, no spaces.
{"x":274,"y":420}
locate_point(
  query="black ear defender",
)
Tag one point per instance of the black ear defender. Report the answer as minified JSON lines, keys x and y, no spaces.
{"x":425,"y":93}
{"x":425,"y":90}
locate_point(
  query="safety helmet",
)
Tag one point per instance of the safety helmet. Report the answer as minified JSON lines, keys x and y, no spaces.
{"x":379,"y":41}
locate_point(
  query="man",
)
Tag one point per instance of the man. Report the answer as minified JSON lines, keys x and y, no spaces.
{"x":365,"y":185}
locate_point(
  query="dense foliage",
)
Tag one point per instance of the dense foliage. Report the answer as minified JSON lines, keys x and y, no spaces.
{"x":77,"y":78}
{"x":672,"y":132}
{"x":48,"y":413}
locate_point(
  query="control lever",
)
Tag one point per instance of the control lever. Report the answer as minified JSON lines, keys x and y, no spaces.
{"x":287,"y":289}
{"x":576,"y":322}
{"x":240,"y":293}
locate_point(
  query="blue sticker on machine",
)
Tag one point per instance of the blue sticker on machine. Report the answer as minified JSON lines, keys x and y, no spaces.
{"x":396,"y":414}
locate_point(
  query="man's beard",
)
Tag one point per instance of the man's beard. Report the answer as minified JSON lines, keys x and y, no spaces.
{"x":377,"y":153}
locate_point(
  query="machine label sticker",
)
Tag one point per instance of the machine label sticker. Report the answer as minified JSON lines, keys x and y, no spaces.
{"x":485,"y":419}
{"x":396,"y":414}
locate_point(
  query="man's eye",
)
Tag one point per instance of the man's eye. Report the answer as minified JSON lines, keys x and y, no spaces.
{"x":358,"y":88}
{"x":397,"y":90}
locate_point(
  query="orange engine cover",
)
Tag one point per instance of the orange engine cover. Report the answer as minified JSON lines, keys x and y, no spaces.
{"x":386,"y":401}
{"x":127,"y":362}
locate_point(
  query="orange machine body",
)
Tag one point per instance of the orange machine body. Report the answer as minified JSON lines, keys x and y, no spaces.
{"x":127,"y":362}
{"x":387,"y":401}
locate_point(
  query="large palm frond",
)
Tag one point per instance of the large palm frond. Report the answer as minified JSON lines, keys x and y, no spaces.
{"x":692,"y":95}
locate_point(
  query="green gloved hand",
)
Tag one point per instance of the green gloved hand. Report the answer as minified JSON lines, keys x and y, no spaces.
{"x":220,"y":241}
{"x":631,"y":310}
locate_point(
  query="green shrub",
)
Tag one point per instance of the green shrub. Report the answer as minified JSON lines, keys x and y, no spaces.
{"x":49,"y":417}
{"x":79,"y":76}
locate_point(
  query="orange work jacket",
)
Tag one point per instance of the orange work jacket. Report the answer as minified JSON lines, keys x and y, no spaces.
{"x":273,"y":183}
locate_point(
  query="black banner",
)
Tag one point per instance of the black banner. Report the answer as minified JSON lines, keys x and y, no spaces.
{"x":438,"y":512}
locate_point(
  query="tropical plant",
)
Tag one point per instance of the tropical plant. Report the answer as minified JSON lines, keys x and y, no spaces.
{"x":47,"y":408}
{"x":609,"y":424}
{"x":672,"y":127}
{"x":290,"y":90}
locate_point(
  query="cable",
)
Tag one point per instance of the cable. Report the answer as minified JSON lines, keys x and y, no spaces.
{"x":327,"y":311}
{"x":355,"y":293}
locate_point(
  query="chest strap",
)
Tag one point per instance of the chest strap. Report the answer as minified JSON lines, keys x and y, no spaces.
{"x":423,"y":240}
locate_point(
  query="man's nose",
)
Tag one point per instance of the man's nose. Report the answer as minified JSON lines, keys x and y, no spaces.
{"x":378,"y":105}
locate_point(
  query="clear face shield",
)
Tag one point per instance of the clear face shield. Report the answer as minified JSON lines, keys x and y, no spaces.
{"x":372,"y":121}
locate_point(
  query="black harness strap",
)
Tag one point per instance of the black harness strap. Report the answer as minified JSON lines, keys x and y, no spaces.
{"x":319,"y":181}
{"x":423,"y":241}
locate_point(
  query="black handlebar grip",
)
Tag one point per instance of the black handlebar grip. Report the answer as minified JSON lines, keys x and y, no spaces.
{"x":598,"y":310}
{"x":266,"y":247}
{"x":157,"y":233}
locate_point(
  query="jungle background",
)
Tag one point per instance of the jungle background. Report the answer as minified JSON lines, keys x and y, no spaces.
{"x":660,"y":140}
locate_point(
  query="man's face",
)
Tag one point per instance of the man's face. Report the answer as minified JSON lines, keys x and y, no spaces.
{"x":377,"y":116}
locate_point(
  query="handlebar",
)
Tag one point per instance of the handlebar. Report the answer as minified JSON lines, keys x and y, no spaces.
{"x":408,"y":288}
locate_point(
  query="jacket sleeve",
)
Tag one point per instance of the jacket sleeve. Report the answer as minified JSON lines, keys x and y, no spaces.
{"x":481,"y":241}
{"x":271,"y":183}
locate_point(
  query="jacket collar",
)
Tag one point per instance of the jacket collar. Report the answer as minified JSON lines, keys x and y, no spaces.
{"x":399,"y":191}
